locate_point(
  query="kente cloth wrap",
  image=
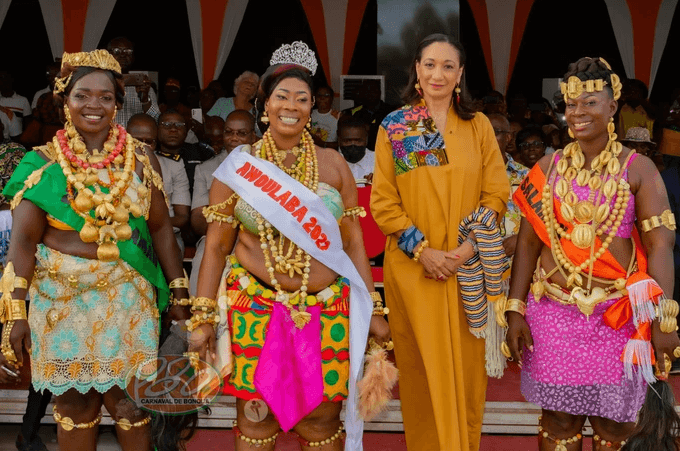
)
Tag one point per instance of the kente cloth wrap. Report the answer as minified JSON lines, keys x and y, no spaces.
{"x":480,"y":283}
{"x":636,"y":308}
{"x":251,"y":305}
{"x":48,"y":192}
{"x":92,"y":322}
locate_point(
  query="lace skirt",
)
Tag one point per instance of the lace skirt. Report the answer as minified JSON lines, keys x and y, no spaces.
{"x":92,"y":322}
{"x":576,"y":364}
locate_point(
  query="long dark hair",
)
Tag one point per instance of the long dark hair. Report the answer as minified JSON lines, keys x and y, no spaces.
{"x":658,"y":425}
{"x":410,"y":95}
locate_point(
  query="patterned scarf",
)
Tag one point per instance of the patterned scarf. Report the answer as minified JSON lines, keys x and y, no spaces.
{"x":480,"y":282}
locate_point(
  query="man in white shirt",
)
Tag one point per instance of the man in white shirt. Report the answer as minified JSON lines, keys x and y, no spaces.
{"x":15,"y":106}
{"x":51,"y":72}
{"x":239,"y":128}
{"x":352,"y":141}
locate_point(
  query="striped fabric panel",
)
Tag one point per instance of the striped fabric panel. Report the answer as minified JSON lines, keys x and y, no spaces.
{"x":481,"y":276}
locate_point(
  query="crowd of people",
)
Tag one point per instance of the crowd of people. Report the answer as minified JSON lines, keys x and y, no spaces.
{"x":535,"y":233}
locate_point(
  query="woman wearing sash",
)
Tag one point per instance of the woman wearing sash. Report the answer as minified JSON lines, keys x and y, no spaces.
{"x":287,"y":313}
{"x":438,"y":163}
{"x":91,"y":220}
{"x":593,"y":261}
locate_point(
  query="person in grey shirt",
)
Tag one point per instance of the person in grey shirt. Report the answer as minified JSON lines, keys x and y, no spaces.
{"x":239,"y":128}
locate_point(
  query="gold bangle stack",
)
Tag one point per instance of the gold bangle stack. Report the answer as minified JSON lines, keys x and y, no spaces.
{"x":666,"y":219}
{"x":183,"y":302}
{"x":667,"y":312}
{"x":420,"y":250}
{"x":516,"y":305}
{"x":180,"y":282}
{"x":11,"y":309}
{"x":354,"y":212}
{"x":378,"y":308}
{"x":68,"y":425}
{"x":204,"y":312}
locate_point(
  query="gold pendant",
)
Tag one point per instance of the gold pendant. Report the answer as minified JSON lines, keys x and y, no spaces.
{"x":560,"y":447}
{"x":582,"y":236}
{"x":584,"y":211}
{"x":538,"y":290}
{"x":586,"y":304}
{"x":300,"y":318}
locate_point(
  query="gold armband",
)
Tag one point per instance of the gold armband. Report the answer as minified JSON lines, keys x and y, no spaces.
{"x":212,"y":214}
{"x":12,"y":310}
{"x":666,"y":219}
{"x":180,"y":282}
{"x":420,"y":250}
{"x":354,"y":212}
{"x":667,"y":313}
{"x":378,"y":308}
{"x":8,"y":283}
{"x":516,"y":305}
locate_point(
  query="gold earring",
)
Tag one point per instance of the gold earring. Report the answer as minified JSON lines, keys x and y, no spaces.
{"x":264,"y":118}
{"x":457,"y":94}
{"x":308,"y":126}
{"x":611,"y":128}
{"x":418,"y":89}
{"x":571,"y":134}
{"x":113,"y":118}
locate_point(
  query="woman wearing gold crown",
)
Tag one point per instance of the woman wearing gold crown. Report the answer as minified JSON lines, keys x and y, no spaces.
{"x":91,"y":220}
{"x":292,"y":353}
{"x":593,"y":262}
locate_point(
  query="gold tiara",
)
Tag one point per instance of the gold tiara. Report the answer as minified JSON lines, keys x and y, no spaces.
{"x":574,"y":87}
{"x":100,"y":59}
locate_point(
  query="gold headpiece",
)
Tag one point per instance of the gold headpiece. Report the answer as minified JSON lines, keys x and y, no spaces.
{"x":100,"y":59}
{"x":574,"y":87}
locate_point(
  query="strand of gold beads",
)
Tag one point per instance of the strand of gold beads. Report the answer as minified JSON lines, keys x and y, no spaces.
{"x":111,"y":210}
{"x":306,"y":171}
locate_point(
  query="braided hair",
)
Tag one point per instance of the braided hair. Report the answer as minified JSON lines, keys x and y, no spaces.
{"x":595,"y":69}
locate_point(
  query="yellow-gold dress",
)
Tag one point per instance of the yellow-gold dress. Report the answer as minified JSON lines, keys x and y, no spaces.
{"x":418,"y":181}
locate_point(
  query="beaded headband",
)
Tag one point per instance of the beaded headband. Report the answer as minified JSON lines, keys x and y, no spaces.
{"x":100,"y":59}
{"x":296,"y":53}
{"x":574,"y":86}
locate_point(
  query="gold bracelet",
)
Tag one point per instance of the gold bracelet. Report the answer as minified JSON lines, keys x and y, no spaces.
{"x":6,"y":345}
{"x":203,"y":304}
{"x":183,"y":301}
{"x":180,"y":282}
{"x":68,"y":425}
{"x":198,"y":319}
{"x":420,"y":250}
{"x":12,"y":309}
{"x":354,"y":212}
{"x":375,"y":296}
{"x":666,"y":219}
{"x":516,"y":305}
{"x":667,"y":313}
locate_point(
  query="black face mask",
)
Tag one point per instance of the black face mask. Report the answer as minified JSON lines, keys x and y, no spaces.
{"x":353,"y":154}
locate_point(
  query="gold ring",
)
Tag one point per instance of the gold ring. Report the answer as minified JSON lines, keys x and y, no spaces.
{"x":676,"y":352}
{"x":505,"y":350}
{"x":388,"y":345}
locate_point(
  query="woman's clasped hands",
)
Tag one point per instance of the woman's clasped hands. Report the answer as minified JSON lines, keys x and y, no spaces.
{"x":440,"y":265}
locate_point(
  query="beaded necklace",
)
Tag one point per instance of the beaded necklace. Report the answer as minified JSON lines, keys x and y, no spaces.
{"x":306,"y":171}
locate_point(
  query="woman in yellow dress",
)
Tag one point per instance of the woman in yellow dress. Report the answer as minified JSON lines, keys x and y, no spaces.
{"x":437,"y":162}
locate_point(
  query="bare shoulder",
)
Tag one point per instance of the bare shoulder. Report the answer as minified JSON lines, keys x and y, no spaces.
{"x":544,"y":162}
{"x":640,"y":171}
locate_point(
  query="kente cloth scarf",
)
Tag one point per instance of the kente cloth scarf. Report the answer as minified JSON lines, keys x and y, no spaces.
{"x":48,"y":191}
{"x":643,"y":291}
{"x":480,"y":283}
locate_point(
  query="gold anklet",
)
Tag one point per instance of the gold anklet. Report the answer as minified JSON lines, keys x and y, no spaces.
{"x":67,"y":423}
{"x":125,"y":424}
{"x":560,"y":443}
{"x":337,"y":435}
{"x":608,"y":444}
{"x":253,"y":441}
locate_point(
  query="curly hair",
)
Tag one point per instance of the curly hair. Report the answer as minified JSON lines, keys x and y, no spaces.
{"x":410,"y":95}
{"x":593,"y":69}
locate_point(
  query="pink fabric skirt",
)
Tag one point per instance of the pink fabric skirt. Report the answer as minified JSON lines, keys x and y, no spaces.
{"x":576,"y":364}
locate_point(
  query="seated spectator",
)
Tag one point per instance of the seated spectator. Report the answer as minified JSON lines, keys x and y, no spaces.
{"x":516,"y":172}
{"x":245,"y":88}
{"x":239,"y":129}
{"x":639,"y":139}
{"x":171,"y":134}
{"x":47,"y":117}
{"x":515,"y":127}
{"x":217,"y":88}
{"x":51,"y":72}
{"x":552,"y":136}
{"x":352,"y":142}
{"x":494,"y":103}
{"x":369,"y":108}
{"x":531,"y":144}
{"x":325,"y":118}
{"x":11,"y":130}
{"x":634,"y":108}
{"x":15,"y":106}
{"x":171,"y":96}
{"x":193,"y":97}
{"x":139,"y":96}
{"x":213,"y":135}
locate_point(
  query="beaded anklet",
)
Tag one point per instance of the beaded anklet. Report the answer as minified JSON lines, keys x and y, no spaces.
{"x":560,"y":443}
{"x":257,"y":442}
{"x":607,"y":443}
{"x":337,"y":435}
{"x":68,"y":425}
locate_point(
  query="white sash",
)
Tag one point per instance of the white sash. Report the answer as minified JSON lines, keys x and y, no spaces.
{"x":291,"y":207}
